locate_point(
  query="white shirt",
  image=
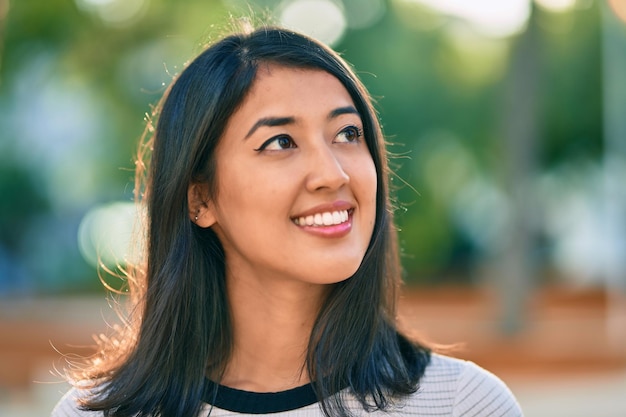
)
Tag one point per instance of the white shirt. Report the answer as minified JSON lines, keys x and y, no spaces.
{"x":450,"y":387}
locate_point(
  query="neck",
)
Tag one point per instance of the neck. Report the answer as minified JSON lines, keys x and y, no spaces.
{"x":272,"y":323}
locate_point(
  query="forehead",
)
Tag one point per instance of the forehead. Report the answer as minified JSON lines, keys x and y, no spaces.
{"x":281,"y":88}
{"x":268,"y":72}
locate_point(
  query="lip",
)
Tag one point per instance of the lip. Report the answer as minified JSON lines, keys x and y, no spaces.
{"x":332,"y":231}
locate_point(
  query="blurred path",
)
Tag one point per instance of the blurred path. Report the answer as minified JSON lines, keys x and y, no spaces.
{"x":600,"y":394}
{"x":562,"y":364}
{"x":569,"y":360}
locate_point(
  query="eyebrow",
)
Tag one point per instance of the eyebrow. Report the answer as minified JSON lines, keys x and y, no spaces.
{"x":270,"y":121}
{"x":282,"y":121}
{"x":343,"y":110}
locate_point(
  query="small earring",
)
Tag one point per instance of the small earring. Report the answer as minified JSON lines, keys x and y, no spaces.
{"x":196,"y":218}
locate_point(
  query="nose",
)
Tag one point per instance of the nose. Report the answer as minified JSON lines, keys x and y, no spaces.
{"x":325,"y":170}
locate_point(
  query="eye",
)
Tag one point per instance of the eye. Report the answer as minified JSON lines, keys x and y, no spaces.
{"x":277,"y":143}
{"x":349,"y":134}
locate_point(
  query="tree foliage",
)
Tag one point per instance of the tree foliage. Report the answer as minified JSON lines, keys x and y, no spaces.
{"x":74,"y":89}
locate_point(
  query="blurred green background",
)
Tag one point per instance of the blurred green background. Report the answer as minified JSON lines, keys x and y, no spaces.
{"x":499,"y":116}
{"x":506,"y":124}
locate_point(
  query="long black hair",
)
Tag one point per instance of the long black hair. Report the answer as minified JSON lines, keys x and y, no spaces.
{"x":182,"y":331}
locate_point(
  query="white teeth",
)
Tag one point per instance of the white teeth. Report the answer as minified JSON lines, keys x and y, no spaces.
{"x":323,"y":219}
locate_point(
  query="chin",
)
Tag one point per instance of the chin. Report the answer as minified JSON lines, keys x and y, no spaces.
{"x":338,"y":274}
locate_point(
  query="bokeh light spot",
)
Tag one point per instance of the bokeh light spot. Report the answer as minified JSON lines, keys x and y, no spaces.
{"x":104,"y":234}
{"x":320,"y":19}
{"x":556,"y":5}
{"x":490,"y":17}
{"x":363,"y":13}
{"x":114,"y":12}
{"x":619,"y":8}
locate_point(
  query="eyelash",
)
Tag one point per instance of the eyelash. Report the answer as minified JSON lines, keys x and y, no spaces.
{"x":355,"y":130}
{"x":276,"y":138}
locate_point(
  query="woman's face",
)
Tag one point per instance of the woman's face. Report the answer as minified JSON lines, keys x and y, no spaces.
{"x":296,"y":184}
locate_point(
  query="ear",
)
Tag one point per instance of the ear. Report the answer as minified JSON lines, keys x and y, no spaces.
{"x":200,"y":208}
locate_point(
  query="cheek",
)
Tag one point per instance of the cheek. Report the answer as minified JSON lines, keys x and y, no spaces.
{"x":244,"y":197}
{"x":369,"y":180}
{"x":365,"y":180}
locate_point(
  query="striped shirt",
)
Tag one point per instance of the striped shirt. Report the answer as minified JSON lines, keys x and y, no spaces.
{"x":450,"y":387}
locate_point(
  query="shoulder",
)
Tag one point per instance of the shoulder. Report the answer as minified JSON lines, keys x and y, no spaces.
{"x":68,"y":405}
{"x":462,"y":388}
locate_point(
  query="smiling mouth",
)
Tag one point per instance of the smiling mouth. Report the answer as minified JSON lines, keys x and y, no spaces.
{"x":327,"y":218}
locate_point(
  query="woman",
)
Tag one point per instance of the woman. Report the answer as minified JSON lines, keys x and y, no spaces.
{"x":271,"y":271}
